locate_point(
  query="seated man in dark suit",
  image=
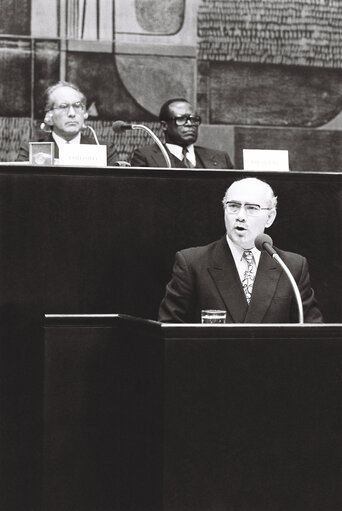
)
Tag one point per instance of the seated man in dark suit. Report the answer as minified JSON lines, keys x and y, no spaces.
{"x":231,"y":274}
{"x":65,"y":107}
{"x":180,"y":125}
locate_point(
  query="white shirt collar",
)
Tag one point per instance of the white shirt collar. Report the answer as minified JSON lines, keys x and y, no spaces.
{"x":59,"y":140}
{"x":237,"y":255}
{"x":176,"y":150}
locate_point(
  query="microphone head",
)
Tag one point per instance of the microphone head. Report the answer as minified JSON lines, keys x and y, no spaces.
{"x":119,"y":126}
{"x":45,"y":127}
{"x":261,"y":239}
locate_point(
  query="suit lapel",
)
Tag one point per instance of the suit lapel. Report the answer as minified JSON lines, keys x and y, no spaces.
{"x":206,"y":159}
{"x":158,"y":157}
{"x":50,"y":138}
{"x":226,"y":278}
{"x":265,"y":285}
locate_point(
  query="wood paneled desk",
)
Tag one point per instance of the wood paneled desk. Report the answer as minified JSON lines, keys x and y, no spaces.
{"x":140,"y":415}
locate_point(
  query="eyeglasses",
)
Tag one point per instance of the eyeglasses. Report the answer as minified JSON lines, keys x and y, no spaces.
{"x":251,"y":209}
{"x":65,"y":107}
{"x":180,"y":120}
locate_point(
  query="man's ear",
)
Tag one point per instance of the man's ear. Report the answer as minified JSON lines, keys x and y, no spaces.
{"x":85,"y":115}
{"x":271,"y":217}
{"x":163,"y":125}
{"x":48,"y":119}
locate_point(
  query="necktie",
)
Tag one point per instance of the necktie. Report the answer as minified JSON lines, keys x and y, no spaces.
{"x":248,"y":278}
{"x":187,"y":163}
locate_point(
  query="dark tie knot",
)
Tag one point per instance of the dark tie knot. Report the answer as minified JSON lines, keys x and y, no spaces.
{"x":186,"y":161}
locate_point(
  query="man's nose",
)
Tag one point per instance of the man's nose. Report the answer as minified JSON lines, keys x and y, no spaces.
{"x":188,"y":122}
{"x":241,"y":215}
{"x":71,"y":111}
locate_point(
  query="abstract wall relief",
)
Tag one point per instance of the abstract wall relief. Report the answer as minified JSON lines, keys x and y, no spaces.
{"x":15,"y":85}
{"x":155,"y":49}
{"x":15,"y":17}
{"x":46,"y":71}
{"x":271,"y":62}
{"x":269,"y":94}
{"x":98,"y":76}
{"x":247,"y":62}
{"x":159,"y":17}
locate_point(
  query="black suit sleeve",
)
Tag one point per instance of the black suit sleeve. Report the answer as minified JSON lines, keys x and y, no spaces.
{"x":139,"y":159}
{"x":112,"y":156}
{"x":229,"y":164}
{"x":23,"y":154}
{"x":312,"y":313}
{"x":177,"y":304}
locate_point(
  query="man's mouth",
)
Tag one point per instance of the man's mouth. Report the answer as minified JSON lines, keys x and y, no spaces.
{"x":240,"y":228}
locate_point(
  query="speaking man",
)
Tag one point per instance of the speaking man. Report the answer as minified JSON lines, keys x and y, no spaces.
{"x":231,"y":274}
{"x":180,"y":125}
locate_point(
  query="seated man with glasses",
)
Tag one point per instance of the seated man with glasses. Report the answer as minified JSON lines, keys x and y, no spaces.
{"x":180,"y":126}
{"x":65,"y":113}
{"x":231,"y":274}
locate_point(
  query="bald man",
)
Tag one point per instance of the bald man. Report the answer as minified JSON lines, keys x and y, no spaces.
{"x":231,"y":274}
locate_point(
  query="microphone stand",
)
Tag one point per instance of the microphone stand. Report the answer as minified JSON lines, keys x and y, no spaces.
{"x":294,"y":286}
{"x":156,"y":139}
{"x":87,"y":126}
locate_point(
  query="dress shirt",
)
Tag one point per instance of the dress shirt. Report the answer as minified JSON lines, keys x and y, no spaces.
{"x":59,"y":140}
{"x":177,"y":151}
{"x":240,"y":262}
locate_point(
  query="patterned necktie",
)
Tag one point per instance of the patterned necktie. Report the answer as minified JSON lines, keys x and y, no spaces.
{"x":187,"y":163}
{"x":248,"y":278}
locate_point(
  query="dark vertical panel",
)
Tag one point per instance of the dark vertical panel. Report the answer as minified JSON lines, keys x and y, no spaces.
{"x":15,"y":17}
{"x":15,"y":70}
{"x":46,"y":71}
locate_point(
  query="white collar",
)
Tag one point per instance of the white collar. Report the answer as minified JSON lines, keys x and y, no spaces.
{"x":60,"y":140}
{"x":238,"y":251}
{"x":177,"y":150}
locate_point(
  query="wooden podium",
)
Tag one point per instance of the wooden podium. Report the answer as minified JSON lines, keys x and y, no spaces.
{"x":140,"y":415}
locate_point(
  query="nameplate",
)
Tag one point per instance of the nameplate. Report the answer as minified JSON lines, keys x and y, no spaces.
{"x":85,"y":155}
{"x":266,"y":160}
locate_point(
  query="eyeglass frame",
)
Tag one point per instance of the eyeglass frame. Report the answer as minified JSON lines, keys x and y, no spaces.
{"x":188,"y":117}
{"x":259,"y":208}
{"x":78,"y":106}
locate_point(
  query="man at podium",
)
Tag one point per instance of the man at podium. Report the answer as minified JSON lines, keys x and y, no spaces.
{"x":231,"y":274}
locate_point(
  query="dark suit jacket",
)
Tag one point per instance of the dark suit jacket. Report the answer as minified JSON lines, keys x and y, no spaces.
{"x":23,"y":154}
{"x":151,"y":156}
{"x":207,"y":278}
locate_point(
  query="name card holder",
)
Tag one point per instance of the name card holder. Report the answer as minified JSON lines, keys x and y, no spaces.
{"x":266,"y":160}
{"x":84,"y":155}
{"x":41,"y":153}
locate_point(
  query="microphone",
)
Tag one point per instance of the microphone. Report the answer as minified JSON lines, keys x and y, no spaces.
{"x":264,"y":242}
{"x":120,"y":126}
{"x":87,"y":126}
{"x":45,"y":127}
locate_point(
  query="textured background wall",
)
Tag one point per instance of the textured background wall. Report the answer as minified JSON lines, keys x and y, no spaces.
{"x":243,"y":63}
